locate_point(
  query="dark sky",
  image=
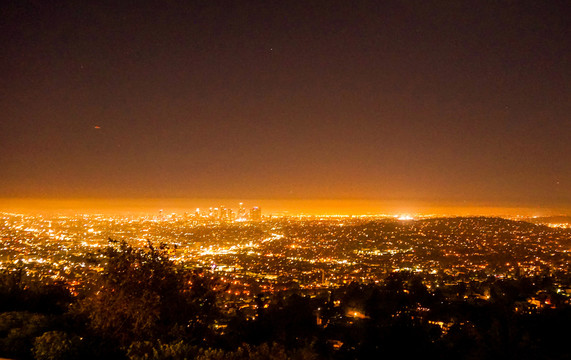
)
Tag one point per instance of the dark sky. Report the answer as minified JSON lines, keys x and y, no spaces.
{"x":465,"y":101}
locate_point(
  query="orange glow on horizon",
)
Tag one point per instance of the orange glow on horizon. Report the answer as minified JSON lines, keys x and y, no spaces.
{"x":276,"y":207}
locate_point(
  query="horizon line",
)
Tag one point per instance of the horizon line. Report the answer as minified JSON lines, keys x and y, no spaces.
{"x":291,"y":206}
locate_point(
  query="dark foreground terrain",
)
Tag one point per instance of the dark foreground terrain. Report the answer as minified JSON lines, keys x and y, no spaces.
{"x":142,"y":305}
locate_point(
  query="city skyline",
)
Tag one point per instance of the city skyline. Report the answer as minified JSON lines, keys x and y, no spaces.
{"x":275,"y":207}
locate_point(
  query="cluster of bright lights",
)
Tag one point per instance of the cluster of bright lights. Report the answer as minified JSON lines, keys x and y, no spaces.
{"x":404,"y":217}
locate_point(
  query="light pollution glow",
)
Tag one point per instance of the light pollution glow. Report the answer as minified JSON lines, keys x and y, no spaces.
{"x":269,"y":206}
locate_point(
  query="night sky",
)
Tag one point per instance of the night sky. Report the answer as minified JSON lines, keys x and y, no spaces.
{"x":462,"y":101}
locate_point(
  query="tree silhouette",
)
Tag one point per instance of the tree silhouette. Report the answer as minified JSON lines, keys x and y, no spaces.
{"x":143,"y":295}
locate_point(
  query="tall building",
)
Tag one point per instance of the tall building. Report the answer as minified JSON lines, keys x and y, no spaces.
{"x":242,"y":212}
{"x":256,"y":214}
{"x":222,"y":214}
